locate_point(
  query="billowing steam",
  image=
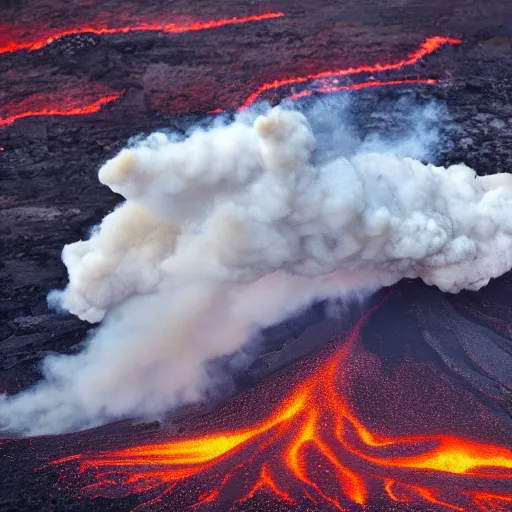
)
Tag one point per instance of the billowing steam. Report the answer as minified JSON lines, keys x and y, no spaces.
{"x":233,"y":229}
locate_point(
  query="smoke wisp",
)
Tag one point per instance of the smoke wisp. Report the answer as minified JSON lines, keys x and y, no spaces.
{"x":235,"y":228}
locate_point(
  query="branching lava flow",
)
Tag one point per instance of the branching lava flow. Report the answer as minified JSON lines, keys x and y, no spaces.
{"x":313,"y":447}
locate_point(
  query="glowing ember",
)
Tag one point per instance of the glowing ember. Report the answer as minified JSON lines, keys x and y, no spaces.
{"x":46,"y":37}
{"x":429,"y":46}
{"x":71,"y":102}
{"x":313,"y":447}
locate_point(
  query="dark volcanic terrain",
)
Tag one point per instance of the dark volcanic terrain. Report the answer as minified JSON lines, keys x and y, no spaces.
{"x":50,"y":196}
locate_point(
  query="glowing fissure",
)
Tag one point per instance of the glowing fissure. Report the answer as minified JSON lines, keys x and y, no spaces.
{"x":52,"y":105}
{"x":314,"y":416}
{"x":429,"y":46}
{"x":64,"y":106}
{"x":486,"y":501}
{"x":9,"y":46}
{"x":363,"y":85}
{"x":429,"y":496}
{"x":265,"y":481}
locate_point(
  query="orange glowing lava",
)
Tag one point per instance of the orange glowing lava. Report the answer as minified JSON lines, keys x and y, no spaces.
{"x":47,"y":36}
{"x":363,"y":85}
{"x":312,"y":446}
{"x":428,"y":46}
{"x":66,"y":102}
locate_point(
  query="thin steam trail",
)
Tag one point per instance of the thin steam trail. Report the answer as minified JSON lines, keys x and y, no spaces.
{"x":235,"y":228}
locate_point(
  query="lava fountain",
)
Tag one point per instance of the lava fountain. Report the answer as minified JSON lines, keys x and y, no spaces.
{"x":13,"y":41}
{"x":311,"y":447}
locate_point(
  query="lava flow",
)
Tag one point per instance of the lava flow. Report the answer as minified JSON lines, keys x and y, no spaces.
{"x":47,"y":36}
{"x":66,"y":102}
{"x":311,"y":448}
{"x":363,"y":85}
{"x":430,"y":45}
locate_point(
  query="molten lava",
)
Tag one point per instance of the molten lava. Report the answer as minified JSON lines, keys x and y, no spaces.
{"x":312,"y":447}
{"x":363,"y":85}
{"x":80,"y":100}
{"x":69,"y":101}
{"x":328,"y":79}
{"x":37,"y":39}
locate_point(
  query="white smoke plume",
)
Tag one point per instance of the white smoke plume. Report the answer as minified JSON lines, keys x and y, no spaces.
{"x":232,"y":230}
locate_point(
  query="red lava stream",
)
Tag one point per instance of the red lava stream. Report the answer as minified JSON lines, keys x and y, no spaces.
{"x":71,"y":103}
{"x":64,"y":104}
{"x":430,"y":45}
{"x":312,"y":446}
{"x":12,"y":43}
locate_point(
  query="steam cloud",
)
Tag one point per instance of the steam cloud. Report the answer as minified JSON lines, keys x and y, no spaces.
{"x":233,"y":229}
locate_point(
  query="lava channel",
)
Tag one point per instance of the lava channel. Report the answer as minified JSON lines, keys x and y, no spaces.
{"x":310,"y":448}
{"x":329,"y":80}
{"x":10,"y":41}
{"x":362,"y":85}
{"x":69,"y":101}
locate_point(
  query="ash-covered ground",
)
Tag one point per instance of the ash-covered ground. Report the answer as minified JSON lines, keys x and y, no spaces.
{"x":50,"y":194}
